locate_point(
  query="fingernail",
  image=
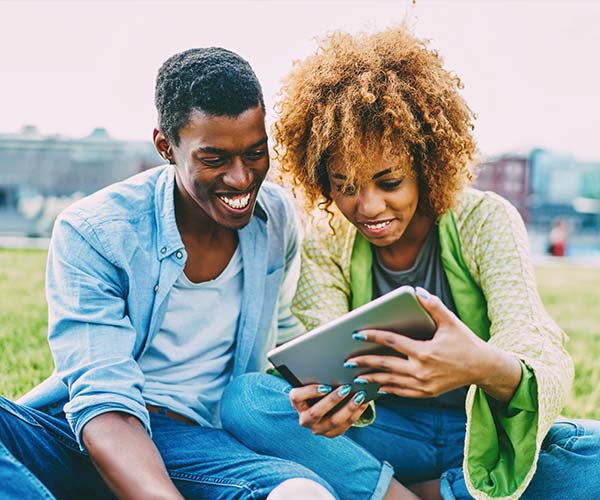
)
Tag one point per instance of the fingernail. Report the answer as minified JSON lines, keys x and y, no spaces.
{"x":360,"y":397}
{"x":344,"y":390}
{"x":360,"y":381}
{"x":421,"y":292}
{"x":359,"y":336}
{"x":324,"y":389}
{"x":350,"y":364}
{"x":382,"y":393}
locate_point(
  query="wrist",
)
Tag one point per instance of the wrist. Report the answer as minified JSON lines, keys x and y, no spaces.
{"x":500,"y":373}
{"x":485,"y":366}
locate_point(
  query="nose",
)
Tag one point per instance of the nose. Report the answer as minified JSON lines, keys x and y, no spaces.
{"x":370,"y":203}
{"x":238,"y":175}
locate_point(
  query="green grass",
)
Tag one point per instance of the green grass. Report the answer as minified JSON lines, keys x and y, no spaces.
{"x":24,"y":355}
{"x":569,"y":293}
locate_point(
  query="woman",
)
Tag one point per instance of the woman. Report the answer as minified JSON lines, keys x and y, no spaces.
{"x":374,"y":132}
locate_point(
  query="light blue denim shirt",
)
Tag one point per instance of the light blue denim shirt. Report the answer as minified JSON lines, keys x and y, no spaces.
{"x":113,"y":259}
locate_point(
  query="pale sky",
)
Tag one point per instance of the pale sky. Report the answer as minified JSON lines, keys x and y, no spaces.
{"x":531,"y":69}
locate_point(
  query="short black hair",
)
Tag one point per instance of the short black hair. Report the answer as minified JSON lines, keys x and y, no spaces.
{"x":213,"y":80}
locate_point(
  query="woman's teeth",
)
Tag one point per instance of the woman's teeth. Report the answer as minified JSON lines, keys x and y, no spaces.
{"x":378,"y":225}
{"x":237,"y":202}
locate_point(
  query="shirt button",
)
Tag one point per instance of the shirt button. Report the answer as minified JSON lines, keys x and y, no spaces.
{"x":179,"y":255}
{"x":156,"y":288}
{"x":163,"y":250}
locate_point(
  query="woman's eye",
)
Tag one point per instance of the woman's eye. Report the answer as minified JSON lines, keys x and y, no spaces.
{"x":390,"y":185}
{"x":349,"y":190}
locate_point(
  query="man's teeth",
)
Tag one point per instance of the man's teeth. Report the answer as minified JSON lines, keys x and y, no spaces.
{"x":237,"y":202}
{"x":379,"y":225}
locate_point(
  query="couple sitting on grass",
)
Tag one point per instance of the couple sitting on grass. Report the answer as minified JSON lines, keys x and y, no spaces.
{"x":165,"y":292}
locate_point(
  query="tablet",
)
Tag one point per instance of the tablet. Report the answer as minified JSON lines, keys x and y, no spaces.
{"x":317,"y":356}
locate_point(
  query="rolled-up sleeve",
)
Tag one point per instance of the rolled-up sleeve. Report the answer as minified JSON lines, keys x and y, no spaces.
{"x":90,"y":334}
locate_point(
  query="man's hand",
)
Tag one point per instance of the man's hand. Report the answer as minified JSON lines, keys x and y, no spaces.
{"x":126,"y":458}
{"x":317,"y":417}
{"x":455,"y":357}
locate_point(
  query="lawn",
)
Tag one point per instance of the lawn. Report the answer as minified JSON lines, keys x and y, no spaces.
{"x":570,"y":294}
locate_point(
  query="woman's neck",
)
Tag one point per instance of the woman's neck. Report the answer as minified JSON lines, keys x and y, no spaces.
{"x":402,"y":254}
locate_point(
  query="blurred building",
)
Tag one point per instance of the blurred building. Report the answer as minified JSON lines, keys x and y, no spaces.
{"x":508,"y":176}
{"x":40,"y":173}
{"x":546,"y":186}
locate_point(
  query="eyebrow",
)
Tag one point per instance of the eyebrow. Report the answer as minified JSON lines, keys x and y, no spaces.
{"x":376,"y":176}
{"x":382,"y":173}
{"x":218,"y":151}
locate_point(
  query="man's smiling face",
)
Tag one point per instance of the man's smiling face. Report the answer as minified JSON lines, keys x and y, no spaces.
{"x":220,"y":163}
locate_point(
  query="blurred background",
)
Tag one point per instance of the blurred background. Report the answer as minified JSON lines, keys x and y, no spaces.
{"x":77,"y":80}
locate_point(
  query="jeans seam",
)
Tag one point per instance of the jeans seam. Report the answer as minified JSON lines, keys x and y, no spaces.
{"x":29,"y":420}
{"x":27,"y":472}
{"x":239,"y":484}
{"x":570,"y":442}
{"x":71,"y":445}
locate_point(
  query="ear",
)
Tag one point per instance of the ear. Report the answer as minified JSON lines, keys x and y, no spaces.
{"x":162,"y":145}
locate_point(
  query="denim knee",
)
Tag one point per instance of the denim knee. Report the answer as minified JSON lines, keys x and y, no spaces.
{"x":252,"y":396}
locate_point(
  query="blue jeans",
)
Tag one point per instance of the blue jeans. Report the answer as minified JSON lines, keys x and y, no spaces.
{"x":39,"y":458}
{"x":419,"y":443}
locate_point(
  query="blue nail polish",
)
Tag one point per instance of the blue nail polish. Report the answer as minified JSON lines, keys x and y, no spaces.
{"x":350,"y":364}
{"x":344,"y":390}
{"x":324,"y":389}
{"x":382,"y":393}
{"x":359,"y":336}
{"x":360,"y":397}
{"x":360,"y":381}
{"x":421,"y":292}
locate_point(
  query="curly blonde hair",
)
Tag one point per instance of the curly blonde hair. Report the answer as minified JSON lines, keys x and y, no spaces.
{"x":386,"y":92}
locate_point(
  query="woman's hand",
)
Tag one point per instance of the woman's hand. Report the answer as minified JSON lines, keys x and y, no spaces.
{"x":317,"y":416}
{"x":453,"y":358}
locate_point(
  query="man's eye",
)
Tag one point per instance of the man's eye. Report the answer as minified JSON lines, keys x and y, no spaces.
{"x":256,"y":155}
{"x":349,"y":190}
{"x":213,"y":162}
{"x":390,"y":185}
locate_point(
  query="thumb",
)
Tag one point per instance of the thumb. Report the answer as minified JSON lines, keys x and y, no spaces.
{"x":434,"y":306}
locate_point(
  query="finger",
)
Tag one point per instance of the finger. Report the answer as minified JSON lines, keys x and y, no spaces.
{"x":403,"y":392}
{"x":392,"y":364}
{"x":396,"y":341}
{"x":300,"y":396}
{"x":317,"y":411}
{"x":434,"y":306}
{"x":339,"y":422}
{"x":383,"y":378}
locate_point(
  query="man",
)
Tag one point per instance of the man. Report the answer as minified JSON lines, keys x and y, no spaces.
{"x":161,"y":289}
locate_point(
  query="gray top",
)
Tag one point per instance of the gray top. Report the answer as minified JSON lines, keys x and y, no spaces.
{"x":427,"y":272}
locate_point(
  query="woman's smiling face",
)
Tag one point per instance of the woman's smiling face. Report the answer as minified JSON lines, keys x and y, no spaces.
{"x":383,"y":206}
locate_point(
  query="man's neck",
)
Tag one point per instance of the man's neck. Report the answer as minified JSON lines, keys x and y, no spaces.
{"x":194,"y":222}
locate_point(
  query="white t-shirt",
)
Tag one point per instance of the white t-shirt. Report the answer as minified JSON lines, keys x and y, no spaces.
{"x":198,"y":332}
